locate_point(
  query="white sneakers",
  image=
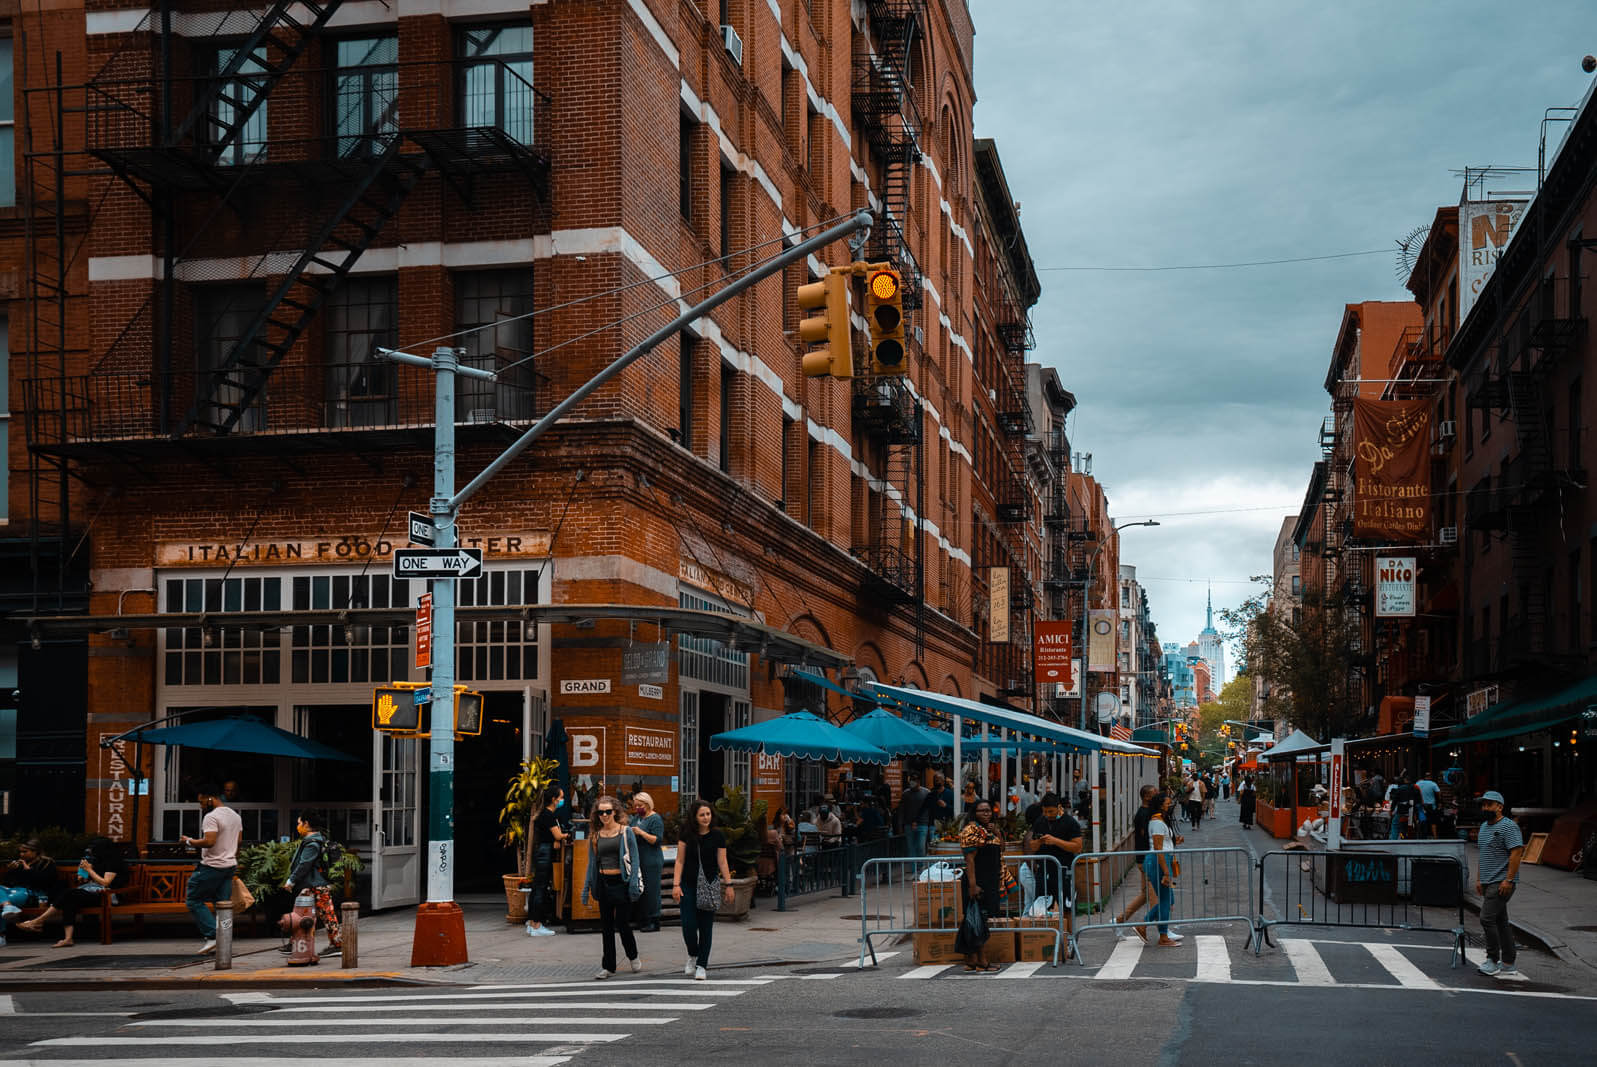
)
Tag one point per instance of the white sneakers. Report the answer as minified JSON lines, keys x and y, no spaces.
{"x":208,"y":948}
{"x":687,"y":968}
{"x":602,"y":975}
{"x":699,"y":975}
{"x":539,"y":931}
{"x":636,"y":964}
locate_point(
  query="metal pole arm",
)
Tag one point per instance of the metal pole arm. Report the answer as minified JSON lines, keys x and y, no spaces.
{"x":799,"y":251}
{"x":427,"y":361}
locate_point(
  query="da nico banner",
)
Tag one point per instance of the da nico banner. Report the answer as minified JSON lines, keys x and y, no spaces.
{"x":1392,"y":470}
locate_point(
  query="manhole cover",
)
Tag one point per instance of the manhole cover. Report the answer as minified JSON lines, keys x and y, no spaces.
{"x":878,"y":1013}
{"x":113,"y":963}
{"x":869,"y":918}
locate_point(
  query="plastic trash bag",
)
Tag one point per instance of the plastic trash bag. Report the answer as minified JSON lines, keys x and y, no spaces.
{"x":941,"y":871}
{"x":1028,"y":886}
{"x":973,"y":931}
{"x":1040,"y":907}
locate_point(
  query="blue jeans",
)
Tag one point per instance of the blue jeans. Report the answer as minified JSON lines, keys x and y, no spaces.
{"x":16,"y":898}
{"x":918,"y":833}
{"x":698,"y":930}
{"x":206,"y":886}
{"x":1160,"y":912}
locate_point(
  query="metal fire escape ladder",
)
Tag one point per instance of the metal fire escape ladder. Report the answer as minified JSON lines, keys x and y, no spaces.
{"x":884,"y":101}
{"x":1530,"y":429}
{"x":242,"y":93}
{"x":374,"y":198}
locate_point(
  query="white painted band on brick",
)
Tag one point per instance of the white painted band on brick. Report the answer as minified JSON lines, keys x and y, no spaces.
{"x":614,"y":569}
{"x":744,"y":164}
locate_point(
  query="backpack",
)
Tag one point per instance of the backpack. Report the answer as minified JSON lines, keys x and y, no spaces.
{"x":332,"y":855}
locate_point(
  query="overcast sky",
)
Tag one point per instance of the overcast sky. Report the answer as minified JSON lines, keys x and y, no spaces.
{"x":1201,"y":132}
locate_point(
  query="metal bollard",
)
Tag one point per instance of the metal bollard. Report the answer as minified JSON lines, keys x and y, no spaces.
{"x":349,"y":932}
{"x":224,"y":935}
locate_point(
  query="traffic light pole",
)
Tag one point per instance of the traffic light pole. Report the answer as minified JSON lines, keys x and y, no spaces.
{"x":440,"y":935}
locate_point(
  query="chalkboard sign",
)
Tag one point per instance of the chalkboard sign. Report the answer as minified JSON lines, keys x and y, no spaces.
{"x":1362,"y":878}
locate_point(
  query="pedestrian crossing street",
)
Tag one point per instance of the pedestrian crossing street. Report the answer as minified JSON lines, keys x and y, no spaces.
{"x":1295,"y":961}
{"x":530,"y":1025}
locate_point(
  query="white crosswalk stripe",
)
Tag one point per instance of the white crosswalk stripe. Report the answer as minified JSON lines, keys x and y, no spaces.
{"x":1214,"y":964}
{"x":1123,"y":960}
{"x":546,"y":1023}
{"x":1310,"y":968}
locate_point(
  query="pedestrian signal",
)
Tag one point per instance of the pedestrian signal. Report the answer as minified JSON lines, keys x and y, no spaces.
{"x":468,"y":712}
{"x":884,"y":312}
{"x":829,"y":329}
{"x":394,"y":710}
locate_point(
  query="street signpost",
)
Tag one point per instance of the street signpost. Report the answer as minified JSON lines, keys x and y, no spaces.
{"x":1333,"y":825}
{"x":421,"y":529}
{"x":437,"y":563}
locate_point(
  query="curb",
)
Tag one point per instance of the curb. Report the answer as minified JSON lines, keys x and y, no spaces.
{"x":1535,"y":935}
{"x":272,"y":979}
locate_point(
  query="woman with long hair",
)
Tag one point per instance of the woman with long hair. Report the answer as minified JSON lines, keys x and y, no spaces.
{"x":101,"y":870}
{"x":700,"y":868}
{"x":615,"y":880}
{"x":1160,"y":867}
{"x":650,"y":830}
{"x":547,"y":835}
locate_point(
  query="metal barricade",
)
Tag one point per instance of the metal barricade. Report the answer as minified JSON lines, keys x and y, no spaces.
{"x":809,"y":870}
{"x":901,"y":896}
{"x":1362,"y":888}
{"x":1214,"y":885}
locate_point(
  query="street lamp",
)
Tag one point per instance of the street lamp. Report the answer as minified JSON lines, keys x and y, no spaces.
{"x":1086,"y":594}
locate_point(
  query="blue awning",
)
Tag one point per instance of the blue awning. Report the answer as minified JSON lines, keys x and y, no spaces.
{"x":802,"y":736}
{"x":1005,"y":718}
{"x":822,"y":681}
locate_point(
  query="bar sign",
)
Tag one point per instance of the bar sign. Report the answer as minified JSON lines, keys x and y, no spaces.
{"x":424,"y":631}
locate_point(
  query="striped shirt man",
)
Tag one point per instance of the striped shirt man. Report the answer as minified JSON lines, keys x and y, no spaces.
{"x":1497,"y":840}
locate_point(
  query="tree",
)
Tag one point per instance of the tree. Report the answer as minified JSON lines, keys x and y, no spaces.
{"x":1310,"y":667}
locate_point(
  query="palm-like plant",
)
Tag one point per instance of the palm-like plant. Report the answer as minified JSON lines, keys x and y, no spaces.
{"x":522,"y":795}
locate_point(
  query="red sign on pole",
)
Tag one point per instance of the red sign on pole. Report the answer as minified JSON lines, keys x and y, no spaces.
{"x":424,"y":631}
{"x":1051,"y":652}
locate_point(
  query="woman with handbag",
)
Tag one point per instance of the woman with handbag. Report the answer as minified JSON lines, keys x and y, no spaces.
{"x":703,"y":883}
{"x":615,"y":880}
{"x":1162,"y":868}
{"x":983,"y":847}
{"x":650,"y":831}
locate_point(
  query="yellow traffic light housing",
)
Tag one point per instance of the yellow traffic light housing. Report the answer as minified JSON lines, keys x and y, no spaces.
{"x":884,"y":312}
{"x":830,"y":328}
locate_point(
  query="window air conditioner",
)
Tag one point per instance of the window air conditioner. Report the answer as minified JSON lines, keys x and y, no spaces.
{"x":1447,"y":429}
{"x":734,"y":44}
{"x":1448,"y":535}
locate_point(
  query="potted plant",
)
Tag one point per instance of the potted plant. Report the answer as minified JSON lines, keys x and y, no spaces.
{"x":740,"y":823}
{"x":946,"y":838}
{"x":522,"y":794}
{"x":264,"y":868}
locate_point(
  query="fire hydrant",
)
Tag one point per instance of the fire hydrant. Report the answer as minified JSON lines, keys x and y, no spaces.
{"x":300,"y":927}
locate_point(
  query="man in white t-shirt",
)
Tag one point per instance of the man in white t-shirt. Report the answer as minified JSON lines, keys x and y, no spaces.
{"x":1195,"y":801}
{"x":212,"y":880}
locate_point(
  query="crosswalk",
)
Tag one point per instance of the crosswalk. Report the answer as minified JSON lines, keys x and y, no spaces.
{"x":540,"y":1024}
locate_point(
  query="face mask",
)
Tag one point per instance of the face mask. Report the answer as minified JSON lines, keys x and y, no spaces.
{"x":825,"y":810}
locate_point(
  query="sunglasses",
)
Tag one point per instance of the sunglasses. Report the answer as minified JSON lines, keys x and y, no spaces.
{"x":606,"y":811}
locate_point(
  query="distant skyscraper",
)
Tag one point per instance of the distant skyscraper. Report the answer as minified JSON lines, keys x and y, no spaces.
{"x":1212,"y":648}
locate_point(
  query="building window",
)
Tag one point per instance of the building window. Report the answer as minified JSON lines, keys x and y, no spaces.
{"x":814,"y":474}
{"x":352,"y":652}
{"x":8,"y":144}
{"x":494,"y":308}
{"x":688,"y":744}
{"x":1297,"y":585}
{"x":5,"y":407}
{"x":223,"y":655}
{"x":706,"y":659}
{"x":496,"y":79}
{"x":728,"y":381}
{"x":236,"y":131}
{"x":361,"y":316}
{"x":223,"y":314}
{"x":1575,"y":596}
{"x":502,"y":650}
{"x":686,"y":128}
{"x":1575,"y":428}
{"x":728,"y":195}
{"x":366,"y":94}
{"x":685,"y":390}
{"x":789,"y":444}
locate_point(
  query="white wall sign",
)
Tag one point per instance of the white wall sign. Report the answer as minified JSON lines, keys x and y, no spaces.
{"x":1484,"y":229}
{"x":1394,"y":587}
{"x":585,"y":685}
{"x":1422,"y":716}
{"x":653,"y":692}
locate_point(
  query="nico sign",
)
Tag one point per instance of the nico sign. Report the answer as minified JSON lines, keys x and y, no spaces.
{"x":1051,"y":652}
{"x":1394,"y":587}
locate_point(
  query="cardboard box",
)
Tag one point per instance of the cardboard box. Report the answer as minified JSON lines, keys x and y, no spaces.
{"x":1034,"y":939}
{"x":936,"y":948}
{"x":1001,"y":945}
{"x":939,"y":905}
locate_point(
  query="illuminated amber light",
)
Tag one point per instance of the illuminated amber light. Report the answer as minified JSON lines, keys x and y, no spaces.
{"x":884,"y":286}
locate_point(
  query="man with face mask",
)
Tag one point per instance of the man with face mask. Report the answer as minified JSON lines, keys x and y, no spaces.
{"x":212,"y":880}
{"x":829,"y":825}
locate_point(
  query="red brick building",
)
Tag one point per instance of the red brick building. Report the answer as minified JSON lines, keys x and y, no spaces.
{"x":266,"y":203}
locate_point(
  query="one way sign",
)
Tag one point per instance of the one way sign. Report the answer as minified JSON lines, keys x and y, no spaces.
{"x":437,"y":562}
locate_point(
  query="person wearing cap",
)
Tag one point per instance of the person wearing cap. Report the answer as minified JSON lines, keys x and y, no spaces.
{"x":1501,"y":847}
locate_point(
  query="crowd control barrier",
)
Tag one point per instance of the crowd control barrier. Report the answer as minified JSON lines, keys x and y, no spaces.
{"x":811,"y":870}
{"x":906,"y":896}
{"x":1214,"y":885}
{"x":1363,"y":889}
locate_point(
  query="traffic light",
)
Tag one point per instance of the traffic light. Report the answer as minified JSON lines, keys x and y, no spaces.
{"x":830,"y":328}
{"x":884,"y":311}
{"x":468,"y":712}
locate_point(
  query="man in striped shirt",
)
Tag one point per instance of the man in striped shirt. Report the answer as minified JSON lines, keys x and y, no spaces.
{"x":1501,"y":846}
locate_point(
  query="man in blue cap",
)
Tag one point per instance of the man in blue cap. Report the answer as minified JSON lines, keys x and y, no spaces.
{"x":1501,"y":847}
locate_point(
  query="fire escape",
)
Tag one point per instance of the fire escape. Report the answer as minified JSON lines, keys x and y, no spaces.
{"x":886,"y":409}
{"x":204,"y":153}
{"x":1524,"y":501}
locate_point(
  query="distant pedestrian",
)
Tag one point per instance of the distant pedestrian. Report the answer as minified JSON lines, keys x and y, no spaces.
{"x":547,"y":834}
{"x":212,"y":880}
{"x":1247,"y":801}
{"x":700,"y":868}
{"x":307,"y":873}
{"x":1083,"y":791}
{"x":1140,"y":847}
{"x":25,"y":882}
{"x":1209,"y":790}
{"x":941,"y":802}
{"x":1058,"y":835}
{"x":101,"y":870}
{"x":983,"y":848}
{"x":1225,"y":787}
{"x":909,"y":814}
{"x":649,"y":828}
{"x":1195,"y":801}
{"x":1429,"y":792}
{"x":614,"y":881}
{"x":1502,"y":847}
{"x":1161,"y":869}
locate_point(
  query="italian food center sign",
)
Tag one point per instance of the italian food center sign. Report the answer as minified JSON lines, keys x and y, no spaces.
{"x":1394,"y":587}
{"x":1392,"y":470}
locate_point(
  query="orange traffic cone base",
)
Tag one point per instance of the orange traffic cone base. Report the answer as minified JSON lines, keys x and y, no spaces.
{"x":440,"y":939}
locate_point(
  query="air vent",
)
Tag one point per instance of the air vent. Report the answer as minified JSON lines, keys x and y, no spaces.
{"x":1448,"y":535}
{"x":734,"y":44}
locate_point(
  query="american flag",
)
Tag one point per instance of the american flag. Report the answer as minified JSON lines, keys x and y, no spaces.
{"x":1119,"y":732}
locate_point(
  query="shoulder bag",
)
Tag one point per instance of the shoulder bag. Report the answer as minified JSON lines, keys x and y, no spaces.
{"x":707,"y":895}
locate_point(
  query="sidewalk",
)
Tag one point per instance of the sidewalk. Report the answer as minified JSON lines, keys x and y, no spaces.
{"x":816,"y":929}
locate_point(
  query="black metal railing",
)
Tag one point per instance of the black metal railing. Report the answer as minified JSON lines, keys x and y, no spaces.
{"x":808,"y":869}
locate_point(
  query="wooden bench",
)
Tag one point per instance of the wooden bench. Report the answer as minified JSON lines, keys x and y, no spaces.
{"x":152,"y":889}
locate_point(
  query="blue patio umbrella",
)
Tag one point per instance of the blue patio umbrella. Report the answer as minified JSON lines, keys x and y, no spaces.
{"x":802,"y":736}
{"x":894,"y":735}
{"x":241,"y":734}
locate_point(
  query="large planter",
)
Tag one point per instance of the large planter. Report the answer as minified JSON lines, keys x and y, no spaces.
{"x":944,"y":848}
{"x":1277,"y":822}
{"x":742,"y":899}
{"x":515,"y":899}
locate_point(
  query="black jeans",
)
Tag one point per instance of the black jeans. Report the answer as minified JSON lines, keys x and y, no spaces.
{"x":615,"y":908}
{"x":541,"y":907}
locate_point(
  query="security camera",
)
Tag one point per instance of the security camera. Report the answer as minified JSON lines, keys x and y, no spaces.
{"x":1589,"y":64}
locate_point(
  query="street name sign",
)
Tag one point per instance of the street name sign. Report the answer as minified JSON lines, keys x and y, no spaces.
{"x":421,"y":529}
{"x":437,"y":562}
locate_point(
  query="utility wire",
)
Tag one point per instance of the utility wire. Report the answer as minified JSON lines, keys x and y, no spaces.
{"x":1229,"y":266}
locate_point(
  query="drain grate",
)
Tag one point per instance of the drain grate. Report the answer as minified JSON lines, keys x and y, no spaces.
{"x":114,"y":963}
{"x":877,"y":1013}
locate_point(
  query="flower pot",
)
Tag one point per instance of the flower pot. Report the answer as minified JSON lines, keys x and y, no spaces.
{"x":742,"y":899}
{"x":944,"y":848}
{"x":515,"y":899}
